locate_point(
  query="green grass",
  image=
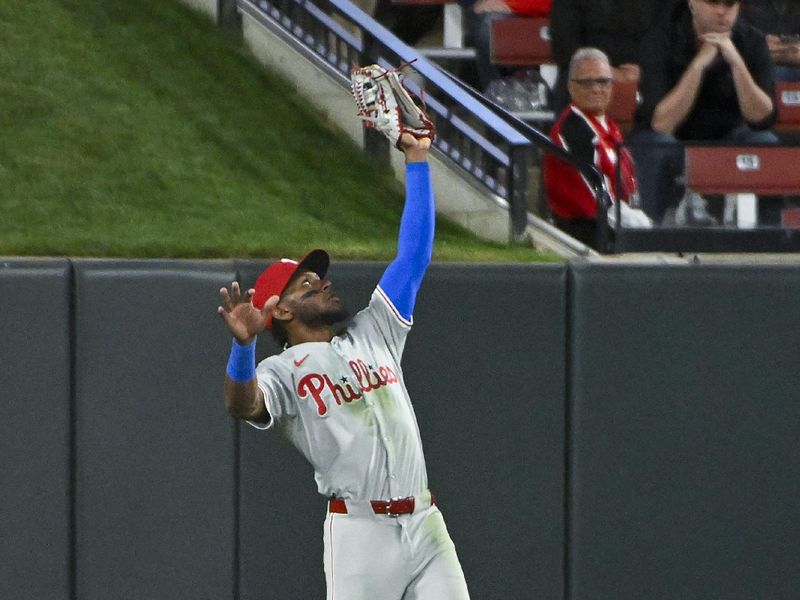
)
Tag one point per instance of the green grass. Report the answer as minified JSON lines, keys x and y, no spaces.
{"x":137,"y":129}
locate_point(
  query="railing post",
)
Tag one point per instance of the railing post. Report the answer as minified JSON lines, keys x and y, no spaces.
{"x":518,"y":190}
{"x":605,"y":234}
{"x":228,"y":16}
{"x":376,"y":146}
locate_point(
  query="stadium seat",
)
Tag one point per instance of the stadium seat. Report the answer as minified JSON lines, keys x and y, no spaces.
{"x":788,"y":97}
{"x":790,"y":218}
{"x":624,"y":102}
{"x":762,"y":170}
{"x":522,"y":41}
{"x":743,"y":173}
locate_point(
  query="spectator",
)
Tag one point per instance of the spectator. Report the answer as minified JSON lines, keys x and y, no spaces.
{"x":479,"y":16}
{"x":409,"y":22}
{"x":583,"y":129}
{"x":707,"y":76}
{"x":780,"y":20}
{"x":614,"y":26}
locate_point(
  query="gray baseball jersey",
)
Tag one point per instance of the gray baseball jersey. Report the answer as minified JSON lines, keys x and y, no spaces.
{"x":345,"y":406}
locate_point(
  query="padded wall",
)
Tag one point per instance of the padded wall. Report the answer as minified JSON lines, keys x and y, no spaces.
{"x":155,"y":472}
{"x":34,"y":429}
{"x":683,"y":471}
{"x":685,"y":466}
{"x":484,"y":365}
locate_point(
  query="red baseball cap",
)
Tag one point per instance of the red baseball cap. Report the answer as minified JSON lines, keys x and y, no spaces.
{"x":276,"y":277}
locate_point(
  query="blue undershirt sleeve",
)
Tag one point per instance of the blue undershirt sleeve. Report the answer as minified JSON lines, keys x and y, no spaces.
{"x":402,"y":279}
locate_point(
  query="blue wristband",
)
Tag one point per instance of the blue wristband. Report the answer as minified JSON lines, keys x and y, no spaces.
{"x":242,"y":362}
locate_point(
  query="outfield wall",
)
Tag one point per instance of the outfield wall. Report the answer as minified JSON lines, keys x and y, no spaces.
{"x":592,"y":431}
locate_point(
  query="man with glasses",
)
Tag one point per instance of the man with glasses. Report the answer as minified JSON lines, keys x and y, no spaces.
{"x":707,"y":76}
{"x":584,"y":129}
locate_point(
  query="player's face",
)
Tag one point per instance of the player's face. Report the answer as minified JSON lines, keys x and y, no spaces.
{"x":590,"y":86}
{"x":713,"y":16}
{"x":312,"y":301}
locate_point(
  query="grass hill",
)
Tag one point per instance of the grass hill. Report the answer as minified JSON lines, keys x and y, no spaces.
{"x":138,"y":129}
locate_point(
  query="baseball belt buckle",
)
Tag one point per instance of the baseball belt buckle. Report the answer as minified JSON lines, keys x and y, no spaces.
{"x":400,"y":506}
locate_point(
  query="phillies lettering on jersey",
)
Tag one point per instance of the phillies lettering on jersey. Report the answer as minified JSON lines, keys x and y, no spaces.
{"x":368,"y":379}
{"x":372,"y":450}
{"x":314,"y":384}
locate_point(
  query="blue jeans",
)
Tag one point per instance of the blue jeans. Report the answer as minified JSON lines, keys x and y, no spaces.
{"x":660,"y":167}
{"x":789,"y":74}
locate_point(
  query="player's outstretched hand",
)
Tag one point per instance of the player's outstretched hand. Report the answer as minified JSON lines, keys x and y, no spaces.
{"x":244,"y":320}
{"x":415,"y":149}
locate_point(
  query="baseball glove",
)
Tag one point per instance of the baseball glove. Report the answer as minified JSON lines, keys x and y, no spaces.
{"x":385,"y":104}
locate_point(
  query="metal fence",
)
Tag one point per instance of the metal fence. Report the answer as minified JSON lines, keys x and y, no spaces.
{"x":338,"y":36}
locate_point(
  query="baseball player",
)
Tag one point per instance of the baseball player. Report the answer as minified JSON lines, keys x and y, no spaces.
{"x":338,"y":394}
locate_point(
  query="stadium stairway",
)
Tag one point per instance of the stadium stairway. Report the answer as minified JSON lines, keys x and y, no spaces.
{"x":460,"y":198}
{"x":486,"y":171}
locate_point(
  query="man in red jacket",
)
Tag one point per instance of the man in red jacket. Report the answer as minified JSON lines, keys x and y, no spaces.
{"x":480,"y":14}
{"x":584,"y":130}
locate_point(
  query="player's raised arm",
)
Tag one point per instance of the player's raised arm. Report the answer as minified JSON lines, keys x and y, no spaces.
{"x":402,"y":279}
{"x":243,"y":397}
{"x":384,"y":103}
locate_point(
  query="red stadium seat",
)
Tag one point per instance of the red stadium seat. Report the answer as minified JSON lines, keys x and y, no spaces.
{"x":788,"y":98}
{"x":523,"y":41}
{"x":761,"y":170}
{"x":624,"y":101}
{"x":790,"y":218}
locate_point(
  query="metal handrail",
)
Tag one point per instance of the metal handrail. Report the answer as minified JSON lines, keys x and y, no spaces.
{"x":486,"y":147}
{"x":590,"y":172}
{"x":491,"y":145}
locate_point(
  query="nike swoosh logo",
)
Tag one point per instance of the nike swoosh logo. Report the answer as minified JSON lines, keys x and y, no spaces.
{"x":298,"y":363}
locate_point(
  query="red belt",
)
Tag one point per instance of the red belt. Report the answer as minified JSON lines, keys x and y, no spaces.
{"x":392,"y":508}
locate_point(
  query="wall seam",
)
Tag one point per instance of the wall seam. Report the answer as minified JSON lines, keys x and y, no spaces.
{"x":72,"y":437}
{"x":568,"y":495}
{"x":237,"y":504}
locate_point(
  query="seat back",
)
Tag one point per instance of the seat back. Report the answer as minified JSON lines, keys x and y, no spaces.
{"x":762,"y":170}
{"x":624,"y":101}
{"x":788,"y":99}
{"x":521,"y":41}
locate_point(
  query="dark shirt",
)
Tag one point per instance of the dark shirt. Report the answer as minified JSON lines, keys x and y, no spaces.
{"x":779,"y":17}
{"x":616,"y":27}
{"x":670,"y":50}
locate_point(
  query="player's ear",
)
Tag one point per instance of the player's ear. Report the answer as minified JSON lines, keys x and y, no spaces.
{"x":282,"y":313}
